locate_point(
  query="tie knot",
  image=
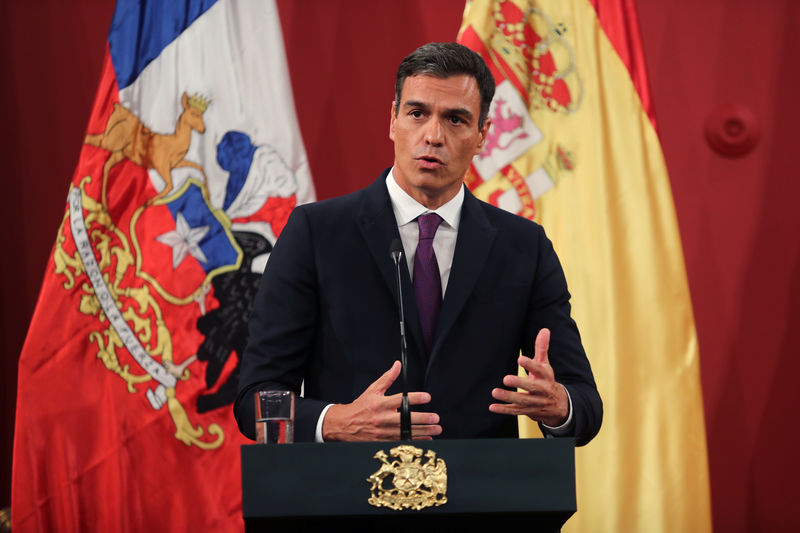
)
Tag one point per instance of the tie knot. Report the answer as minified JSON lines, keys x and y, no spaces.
{"x":428,"y":224}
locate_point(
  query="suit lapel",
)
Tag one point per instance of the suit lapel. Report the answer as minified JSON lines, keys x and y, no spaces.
{"x":474,"y":241}
{"x":378,"y":227}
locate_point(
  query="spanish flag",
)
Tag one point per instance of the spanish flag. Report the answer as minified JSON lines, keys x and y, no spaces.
{"x":574,"y":146}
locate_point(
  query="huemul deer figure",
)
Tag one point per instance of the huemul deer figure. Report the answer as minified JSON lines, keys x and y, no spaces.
{"x":127,"y":138}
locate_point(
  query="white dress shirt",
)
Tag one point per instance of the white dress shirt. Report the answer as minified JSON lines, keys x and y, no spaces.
{"x":406,"y":210}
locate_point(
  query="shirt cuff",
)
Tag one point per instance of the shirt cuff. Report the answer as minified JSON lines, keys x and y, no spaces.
{"x":318,"y":435}
{"x":561,"y":431}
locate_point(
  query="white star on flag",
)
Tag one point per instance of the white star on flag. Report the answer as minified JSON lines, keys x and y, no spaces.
{"x":184,"y":240}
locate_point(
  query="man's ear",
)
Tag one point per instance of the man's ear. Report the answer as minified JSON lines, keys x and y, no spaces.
{"x":392,"y":120}
{"x":484,"y":133}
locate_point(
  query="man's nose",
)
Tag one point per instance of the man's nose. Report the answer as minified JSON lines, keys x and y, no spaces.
{"x":434,"y":133}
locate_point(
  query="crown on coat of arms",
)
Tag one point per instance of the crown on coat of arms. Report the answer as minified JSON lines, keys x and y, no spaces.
{"x":199,"y":102}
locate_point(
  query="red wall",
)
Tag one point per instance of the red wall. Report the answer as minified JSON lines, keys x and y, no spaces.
{"x":51,"y":53}
{"x":741,"y":240}
{"x":741,"y":235}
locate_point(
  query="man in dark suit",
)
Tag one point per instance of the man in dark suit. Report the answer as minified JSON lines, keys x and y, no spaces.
{"x":480,"y":285}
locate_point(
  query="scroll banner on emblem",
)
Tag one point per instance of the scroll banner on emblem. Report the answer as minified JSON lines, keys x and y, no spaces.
{"x":573,"y":147}
{"x":190,"y":167}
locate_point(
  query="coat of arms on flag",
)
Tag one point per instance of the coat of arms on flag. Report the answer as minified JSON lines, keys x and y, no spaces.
{"x":538,"y":82}
{"x":163,"y":255}
{"x":190,"y":167}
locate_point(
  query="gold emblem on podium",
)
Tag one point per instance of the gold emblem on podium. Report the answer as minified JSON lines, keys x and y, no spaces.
{"x":415,"y":483}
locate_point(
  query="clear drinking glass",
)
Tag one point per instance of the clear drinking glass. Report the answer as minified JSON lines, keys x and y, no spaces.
{"x":274,"y":416}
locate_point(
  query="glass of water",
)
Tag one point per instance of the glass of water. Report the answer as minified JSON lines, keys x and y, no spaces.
{"x":274,"y":416}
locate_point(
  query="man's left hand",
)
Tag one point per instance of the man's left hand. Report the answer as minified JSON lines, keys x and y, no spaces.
{"x":541,"y":398}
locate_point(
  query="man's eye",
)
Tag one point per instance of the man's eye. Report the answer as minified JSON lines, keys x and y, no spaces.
{"x":456,"y":120}
{"x":416,"y":113}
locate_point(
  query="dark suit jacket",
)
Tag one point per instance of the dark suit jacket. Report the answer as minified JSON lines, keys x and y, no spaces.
{"x":326,"y":313}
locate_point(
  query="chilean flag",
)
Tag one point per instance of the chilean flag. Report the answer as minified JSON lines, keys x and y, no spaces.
{"x":191,"y":165}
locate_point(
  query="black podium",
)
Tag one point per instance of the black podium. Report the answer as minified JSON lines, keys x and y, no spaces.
{"x":491,"y":483}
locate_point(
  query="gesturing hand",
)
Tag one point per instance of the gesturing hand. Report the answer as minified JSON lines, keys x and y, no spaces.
{"x":541,"y":398}
{"x":374,"y":416}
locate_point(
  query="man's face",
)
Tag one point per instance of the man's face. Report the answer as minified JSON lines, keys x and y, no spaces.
{"x":435,"y":134}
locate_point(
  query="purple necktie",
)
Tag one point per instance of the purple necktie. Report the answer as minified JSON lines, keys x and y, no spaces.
{"x":427,"y":281}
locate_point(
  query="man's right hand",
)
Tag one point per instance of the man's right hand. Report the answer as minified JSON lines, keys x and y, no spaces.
{"x":374,"y":416}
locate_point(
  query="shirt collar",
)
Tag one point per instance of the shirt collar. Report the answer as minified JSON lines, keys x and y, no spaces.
{"x":406,"y":208}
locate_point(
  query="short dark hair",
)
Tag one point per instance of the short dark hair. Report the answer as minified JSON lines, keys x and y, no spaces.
{"x":443,"y":60}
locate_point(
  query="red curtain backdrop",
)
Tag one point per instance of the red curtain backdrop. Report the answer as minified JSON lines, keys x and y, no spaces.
{"x":737,"y":216}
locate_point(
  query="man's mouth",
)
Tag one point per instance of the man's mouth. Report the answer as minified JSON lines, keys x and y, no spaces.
{"x":429,"y":161}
